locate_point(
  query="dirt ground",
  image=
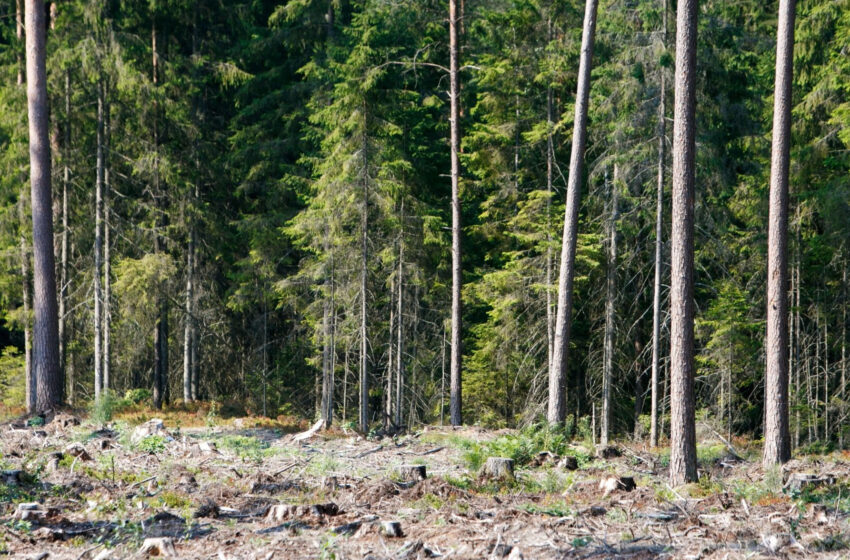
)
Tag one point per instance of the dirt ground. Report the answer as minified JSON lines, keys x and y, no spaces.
{"x":234,"y":492}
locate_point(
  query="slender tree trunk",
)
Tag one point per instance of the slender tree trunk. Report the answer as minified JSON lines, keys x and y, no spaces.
{"x":611,"y":283}
{"x":777,"y":440}
{"x":29,"y":372}
{"x":161,"y":327}
{"x":843,"y":389}
{"x":659,"y":255}
{"x":683,"y":463}
{"x":457,"y":279}
{"x":46,"y":316}
{"x":98,"y":250}
{"x":364,"y":261}
{"x":388,"y":412}
{"x":189,"y":321}
{"x":558,"y":373}
{"x":107,"y":273}
{"x":797,"y":322}
{"x":550,"y":173}
{"x":399,"y":372}
{"x":329,"y":389}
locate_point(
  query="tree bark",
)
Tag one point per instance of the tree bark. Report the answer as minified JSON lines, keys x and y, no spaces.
{"x":46,"y":316}
{"x":364,"y":263}
{"x":161,"y":327}
{"x":188,"y":325}
{"x":457,"y":279}
{"x":98,"y":250}
{"x":399,"y":372}
{"x":29,"y":377}
{"x":64,"y":280}
{"x":683,"y":463}
{"x":659,"y":248}
{"x":558,"y":373}
{"x":107,"y":257}
{"x":611,"y":296}
{"x":777,"y":439}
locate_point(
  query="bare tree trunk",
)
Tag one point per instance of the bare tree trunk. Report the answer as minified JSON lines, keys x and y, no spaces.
{"x":457,"y":279}
{"x":190,"y":312}
{"x":46,"y":316}
{"x":388,"y":411}
{"x":611,"y":295}
{"x":659,"y":256}
{"x":98,"y":250}
{"x":797,"y":323}
{"x":19,"y":33}
{"x":161,"y":327}
{"x":364,"y":261}
{"x":683,"y":456}
{"x":64,"y":280}
{"x":777,"y":439}
{"x":558,"y":373}
{"x":399,"y":372}
{"x":29,"y":372}
{"x":843,"y":389}
{"x":107,"y":282}
{"x":550,"y":173}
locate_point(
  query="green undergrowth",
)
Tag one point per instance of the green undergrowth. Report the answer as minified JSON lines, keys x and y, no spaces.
{"x":521,"y":446}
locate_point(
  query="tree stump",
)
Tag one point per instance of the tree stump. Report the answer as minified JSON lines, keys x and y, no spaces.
{"x":412,"y":473}
{"x":608,"y":452}
{"x":569,"y":463}
{"x":162,"y":546}
{"x":797,"y":482}
{"x":625,"y":483}
{"x":498,"y":468}
{"x":392,"y":529}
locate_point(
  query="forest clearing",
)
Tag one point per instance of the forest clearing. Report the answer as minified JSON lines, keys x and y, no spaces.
{"x":245,"y":488}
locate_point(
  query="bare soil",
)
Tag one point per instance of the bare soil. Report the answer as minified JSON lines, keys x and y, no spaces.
{"x":230,"y":492}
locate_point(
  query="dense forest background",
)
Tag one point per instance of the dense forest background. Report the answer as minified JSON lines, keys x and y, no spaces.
{"x":241,"y":147}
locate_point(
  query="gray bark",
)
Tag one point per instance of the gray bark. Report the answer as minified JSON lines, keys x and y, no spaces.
{"x":610,"y":298}
{"x":558,"y":372}
{"x":659,"y":256}
{"x":457,"y":279}
{"x":777,"y":439}
{"x":98,"y":251}
{"x":45,"y":308}
{"x":399,"y":372}
{"x":683,"y":456}
{"x":64,"y":280}
{"x":364,"y":343}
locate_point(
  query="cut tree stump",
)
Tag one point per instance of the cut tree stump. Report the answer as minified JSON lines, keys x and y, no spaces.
{"x":569,"y":463}
{"x":412,"y":473}
{"x":498,"y":468}
{"x":610,"y":484}
{"x":608,"y":452}
{"x":392,"y":529}
{"x":161,"y":546}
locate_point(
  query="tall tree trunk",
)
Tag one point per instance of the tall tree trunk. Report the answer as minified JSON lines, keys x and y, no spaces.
{"x":64,"y":280}
{"x":29,"y":372}
{"x":843,"y":389}
{"x":161,"y":327}
{"x":777,"y":439}
{"x":399,"y":372}
{"x":46,"y":316}
{"x":611,"y":296}
{"x":457,"y":279}
{"x":550,"y":173}
{"x":98,"y":250}
{"x":188,"y":325}
{"x":659,"y":248}
{"x":107,"y":256}
{"x":683,"y":456}
{"x":558,"y":373}
{"x":364,"y":262}
{"x":388,"y":412}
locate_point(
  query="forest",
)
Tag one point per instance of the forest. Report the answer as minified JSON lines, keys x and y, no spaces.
{"x":355,"y":210}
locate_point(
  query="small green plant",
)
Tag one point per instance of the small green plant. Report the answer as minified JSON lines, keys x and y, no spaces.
{"x":101,"y":410}
{"x":246,"y":447}
{"x":35,"y":421}
{"x":213,"y":413}
{"x":151,"y":444}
